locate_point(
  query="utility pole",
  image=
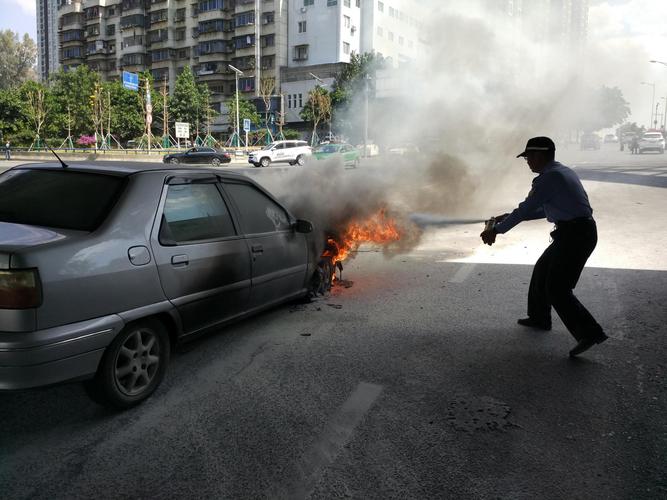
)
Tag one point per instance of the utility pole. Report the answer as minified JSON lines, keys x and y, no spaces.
{"x":652,"y":100}
{"x":237,"y":131}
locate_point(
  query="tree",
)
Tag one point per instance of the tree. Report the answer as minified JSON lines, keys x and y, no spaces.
{"x":349,"y":87}
{"x":127,"y":119}
{"x":603,"y":108}
{"x":36,"y":107}
{"x":247,"y":110}
{"x":72,"y":89}
{"x":317,"y":109}
{"x":10,"y":113}
{"x":185,"y":102}
{"x":266,"y":88}
{"x":17,"y":59}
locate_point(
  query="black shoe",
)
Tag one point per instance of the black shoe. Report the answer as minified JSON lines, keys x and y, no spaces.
{"x":534,"y":324}
{"x":585,"y":345}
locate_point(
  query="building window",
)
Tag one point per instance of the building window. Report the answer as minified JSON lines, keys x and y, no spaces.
{"x":390,"y":36}
{"x":243,"y":42}
{"x":379,"y":31}
{"x":381,"y":6}
{"x":268,"y":17}
{"x":268,"y":62}
{"x":179,"y":34}
{"x":244,"y":19}
{"x":346,"y":3}
{"x":111,"y":11}
{"x":391,"y":12}
{"x":268,"y":40}
{"x":346,"y":21}
{"x":179,"y":17}
{"x":308,"y":2}
{"x":289,"y":101}
{"x":358,"y":3}
{"x":331,"y":3}
{"x":208,"y":5}
{"x":346,"y":48}
{"x":302,"y":26}
{"x":301,"y":100}
{"x":247,"y":84}
{"x":111,"y":30}
{"x":301,"y":52}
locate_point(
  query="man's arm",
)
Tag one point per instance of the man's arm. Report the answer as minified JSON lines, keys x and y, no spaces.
{"x":529,"y":209}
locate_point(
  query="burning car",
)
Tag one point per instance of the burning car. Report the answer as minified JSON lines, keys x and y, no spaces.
{"x":136,"y":258}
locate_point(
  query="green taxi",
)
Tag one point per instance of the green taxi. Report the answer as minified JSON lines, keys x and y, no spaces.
{"x":347,"y":153}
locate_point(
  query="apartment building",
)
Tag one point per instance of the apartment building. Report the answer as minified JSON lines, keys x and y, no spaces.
{"x":163,"y":36}
{"x":47,"y":38}
{"x":324,"y":33}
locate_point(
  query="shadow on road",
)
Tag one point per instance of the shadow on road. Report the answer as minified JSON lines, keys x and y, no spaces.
{"x":651,"y":176}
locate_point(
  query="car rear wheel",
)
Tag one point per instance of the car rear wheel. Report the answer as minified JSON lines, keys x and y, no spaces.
{"x":300,"y":160}
{"x":265,"y":162}
{"x":174,"y":161}
{"x":132,"y":367}
{"x":215,"y":162}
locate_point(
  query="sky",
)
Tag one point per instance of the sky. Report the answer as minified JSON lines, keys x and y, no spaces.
{"x":627,"y":32}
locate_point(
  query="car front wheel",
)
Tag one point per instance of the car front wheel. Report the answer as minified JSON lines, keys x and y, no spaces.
{"x":174,"y":161}
{"x":132,"y":367}
{"x":300,"y":160}
{"x":215,"y":162}
{"x":265,"y":162}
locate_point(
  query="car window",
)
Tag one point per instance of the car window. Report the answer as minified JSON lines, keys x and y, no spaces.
{"x":206,"y":150}
{"x":195,"y":212}
{"x":62,"y":199}
{"x":258,"y":212}
{"x":280,"y":146}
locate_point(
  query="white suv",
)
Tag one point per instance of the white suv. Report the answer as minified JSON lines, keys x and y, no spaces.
{"x":292,"y":152}
{"x":652,"y":141}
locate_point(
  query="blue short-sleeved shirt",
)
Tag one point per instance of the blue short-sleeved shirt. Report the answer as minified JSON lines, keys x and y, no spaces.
{"x":557,"y":194}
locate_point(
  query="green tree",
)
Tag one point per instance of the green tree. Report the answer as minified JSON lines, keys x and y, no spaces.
{"x":17,"y":59}
{"x":247,"y":110}
{"x":10,"y":113}
{"x":72,"y":90}
{"x":127,"y":119}
{"x":603,"y":108}
{"x":317,"y":109}
{"x":350,"y":86}
{"x":36,"y":106}
{"x":185,"y":102}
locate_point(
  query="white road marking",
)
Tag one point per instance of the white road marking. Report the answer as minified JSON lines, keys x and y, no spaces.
{"x":463,"y":272}
{"x":335,"y":435}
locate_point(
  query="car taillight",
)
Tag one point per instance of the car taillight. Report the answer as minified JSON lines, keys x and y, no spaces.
{"x":20,"y":289}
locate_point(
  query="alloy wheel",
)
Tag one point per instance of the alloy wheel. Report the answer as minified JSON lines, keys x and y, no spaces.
{"x":137,"y":362}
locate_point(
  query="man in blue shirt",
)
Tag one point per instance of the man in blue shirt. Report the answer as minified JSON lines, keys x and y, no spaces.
{"x":557,"y":195}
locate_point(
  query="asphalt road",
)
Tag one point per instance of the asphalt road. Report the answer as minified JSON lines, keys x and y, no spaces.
{"x":411,"y":380}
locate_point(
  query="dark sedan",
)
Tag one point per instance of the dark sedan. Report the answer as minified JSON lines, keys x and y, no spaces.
{"x":136,"y":258}
{"x":199,"y":155}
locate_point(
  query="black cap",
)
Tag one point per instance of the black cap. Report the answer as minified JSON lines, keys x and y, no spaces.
{"x":538,"y":144}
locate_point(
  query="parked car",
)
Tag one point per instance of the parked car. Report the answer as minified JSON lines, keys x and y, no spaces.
{"x":610,"y":138}
{"x":292,"y":152}
{"x":404,"y":149}
{"x":104,"y":268}
{"x":198,"y":155}
{"x":652,"y":141}
{"x":589,"y":141}
{"x":346,"y":152}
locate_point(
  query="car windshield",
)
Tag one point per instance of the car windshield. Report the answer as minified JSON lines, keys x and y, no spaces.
{"x":327,"y":148}
{"x":61,"y":199}
{"x":268,"y":146}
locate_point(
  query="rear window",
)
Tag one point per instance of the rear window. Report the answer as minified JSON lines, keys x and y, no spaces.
{"x":655,"y":135}
{"x":62,"y":199}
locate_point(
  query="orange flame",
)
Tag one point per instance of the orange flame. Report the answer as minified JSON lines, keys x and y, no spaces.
{"x":376,"y":229}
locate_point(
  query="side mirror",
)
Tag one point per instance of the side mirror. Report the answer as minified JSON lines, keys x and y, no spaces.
{"x":303,"y":226}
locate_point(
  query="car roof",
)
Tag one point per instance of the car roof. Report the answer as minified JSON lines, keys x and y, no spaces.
{"x":124,"y":169}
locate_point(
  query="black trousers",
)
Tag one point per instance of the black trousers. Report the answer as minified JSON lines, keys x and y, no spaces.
{"x":555,"y":275}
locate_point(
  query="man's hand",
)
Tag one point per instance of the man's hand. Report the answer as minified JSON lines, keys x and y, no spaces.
{"x":489,"y":236}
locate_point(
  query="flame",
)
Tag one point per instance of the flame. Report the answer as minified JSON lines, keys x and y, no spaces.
{"x":379,"y":228}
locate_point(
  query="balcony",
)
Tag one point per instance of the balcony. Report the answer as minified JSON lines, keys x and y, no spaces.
{"x":71,"y":7}
{"x":128,"y":6}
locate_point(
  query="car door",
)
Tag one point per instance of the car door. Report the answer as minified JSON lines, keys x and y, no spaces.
{"x":279,"y":152}
{"x":203,"y":261}
{"x":279,"y":253}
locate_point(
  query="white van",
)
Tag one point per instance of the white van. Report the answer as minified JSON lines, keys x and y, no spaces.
{"x":292,"y":152}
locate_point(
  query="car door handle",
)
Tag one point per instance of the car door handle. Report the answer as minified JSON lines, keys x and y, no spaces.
{"x":257,"y":249}
{"x":180,"y":260}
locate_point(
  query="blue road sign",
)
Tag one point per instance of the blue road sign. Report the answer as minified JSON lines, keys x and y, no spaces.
{"x":130,"y":80}
{"x":246,"y":124}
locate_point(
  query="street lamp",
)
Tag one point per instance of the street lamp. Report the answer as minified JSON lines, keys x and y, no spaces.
{"x":237,"y":73}
{"x":652,"y":101}
{"x":658,"y":62}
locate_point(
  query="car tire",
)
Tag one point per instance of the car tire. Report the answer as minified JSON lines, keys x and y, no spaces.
{"x":265,"y":161}
{"x":300,"y":160}
{"x":174,"y":161}
{"x":132,"y":366}
{"x":215,"y":162}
